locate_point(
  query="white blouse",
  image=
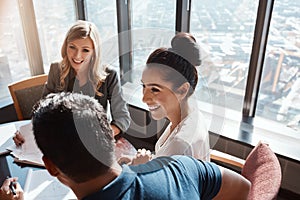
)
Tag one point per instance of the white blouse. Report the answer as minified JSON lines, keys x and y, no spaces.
{"x":190,"y":137}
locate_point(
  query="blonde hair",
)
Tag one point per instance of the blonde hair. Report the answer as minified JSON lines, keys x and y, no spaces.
{"x":97,"y":73}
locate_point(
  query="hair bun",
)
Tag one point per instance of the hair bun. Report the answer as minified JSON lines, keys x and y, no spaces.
{"x":185,"y":45}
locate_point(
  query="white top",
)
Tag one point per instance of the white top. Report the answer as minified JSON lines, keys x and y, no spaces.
{"x":190,"y":137}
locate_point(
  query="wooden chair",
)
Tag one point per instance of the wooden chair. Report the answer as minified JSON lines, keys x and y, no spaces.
{"x":26,"y":93}
{"x":261,"y":168}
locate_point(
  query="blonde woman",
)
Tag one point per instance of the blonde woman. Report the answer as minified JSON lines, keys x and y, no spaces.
{"x":81,"y":71}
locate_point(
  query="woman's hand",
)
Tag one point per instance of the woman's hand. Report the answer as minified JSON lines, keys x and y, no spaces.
{"x":115,"y":129}
{"x":6,"y":193}
{"x":18,"y":138}
{"x":142,"y":156}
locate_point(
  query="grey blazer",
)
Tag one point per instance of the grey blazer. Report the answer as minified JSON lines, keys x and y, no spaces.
{"x":110,"y":88}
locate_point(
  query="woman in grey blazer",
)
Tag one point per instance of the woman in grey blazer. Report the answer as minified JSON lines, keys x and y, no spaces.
{"x":81,"y":71}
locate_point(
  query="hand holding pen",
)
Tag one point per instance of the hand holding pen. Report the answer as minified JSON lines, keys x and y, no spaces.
{"x":18,"y":138}
{"x":11,"y":190}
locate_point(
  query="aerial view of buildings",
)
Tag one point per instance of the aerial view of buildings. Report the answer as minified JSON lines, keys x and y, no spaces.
{"x":225,"y":29}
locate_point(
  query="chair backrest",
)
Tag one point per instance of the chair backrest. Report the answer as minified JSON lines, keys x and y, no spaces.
{"x":263,"y":170}
{"x":26,"y":93}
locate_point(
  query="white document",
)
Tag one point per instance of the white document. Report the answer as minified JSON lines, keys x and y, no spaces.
{"x":40,"y":185}
{"x":6,"y":134}
{"x":29,"y":152}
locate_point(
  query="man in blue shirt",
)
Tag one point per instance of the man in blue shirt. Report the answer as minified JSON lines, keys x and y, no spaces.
{"x":78,"y":148}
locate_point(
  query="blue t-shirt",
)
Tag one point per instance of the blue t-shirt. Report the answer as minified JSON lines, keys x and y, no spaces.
{"x":176,"y":177}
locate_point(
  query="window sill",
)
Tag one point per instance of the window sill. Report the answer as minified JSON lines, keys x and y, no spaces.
{"x":282,"y":140}
{"x":4,"y":102}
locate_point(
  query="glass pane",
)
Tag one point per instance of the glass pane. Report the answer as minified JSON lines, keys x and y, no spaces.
{"x":53,"y":18}
{"x":13,"y":60}
{"x":225,"y":30}
{"x":153,"y":24}
{"x":103,"y":14}
{"x":279,"y":97}
{"x":153,"y":14}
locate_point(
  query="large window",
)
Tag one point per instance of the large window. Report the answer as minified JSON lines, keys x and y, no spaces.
{"x":279,"y":97}
{"x":13,"y":61}
{"x":53,"y":18}
{"x":225,"y":30}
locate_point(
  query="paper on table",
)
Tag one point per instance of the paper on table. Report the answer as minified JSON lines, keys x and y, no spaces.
{"x":6,"y":134}
{"x":29,"y":152}
{"x":41,"y":185}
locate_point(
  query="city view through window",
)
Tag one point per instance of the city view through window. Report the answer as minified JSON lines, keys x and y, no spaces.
{"x":224,"y":29}
{"x":279,"y":97}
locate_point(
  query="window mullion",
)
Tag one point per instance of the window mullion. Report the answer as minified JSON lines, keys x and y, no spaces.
{"x":31,"y":37}
{"x":183,"y":8}
{"x":257,"y":57}
{"x":124,"y":35}
{"x":81,"y":13}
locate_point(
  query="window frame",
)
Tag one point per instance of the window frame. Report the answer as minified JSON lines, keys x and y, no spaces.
{"x":183,"y":15}
{"x":30,"y":31}
{"x":81,"y":9}
{"x":257,"y":57}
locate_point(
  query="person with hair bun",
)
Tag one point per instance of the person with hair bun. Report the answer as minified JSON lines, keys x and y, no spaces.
{"x":169,"y":80}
